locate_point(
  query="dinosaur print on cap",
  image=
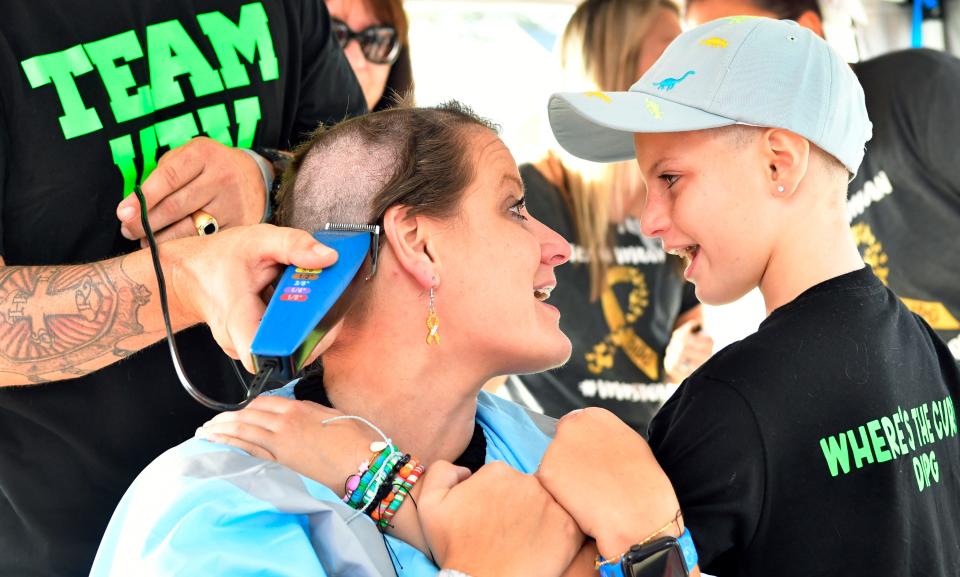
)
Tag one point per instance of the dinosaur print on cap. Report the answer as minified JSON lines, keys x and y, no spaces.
{"x":669,"y":84}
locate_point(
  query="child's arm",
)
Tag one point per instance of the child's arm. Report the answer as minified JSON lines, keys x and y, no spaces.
{"x":605,"y":475}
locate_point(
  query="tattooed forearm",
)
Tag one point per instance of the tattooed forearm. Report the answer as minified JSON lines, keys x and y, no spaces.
{"x":56,"y":319}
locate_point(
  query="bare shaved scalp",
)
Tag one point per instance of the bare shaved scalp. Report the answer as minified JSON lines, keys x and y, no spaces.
{"x":353,"y":172}
{"x":338,"y":180}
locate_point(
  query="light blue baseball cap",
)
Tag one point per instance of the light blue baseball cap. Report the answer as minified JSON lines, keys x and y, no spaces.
{"x":737,"y":70}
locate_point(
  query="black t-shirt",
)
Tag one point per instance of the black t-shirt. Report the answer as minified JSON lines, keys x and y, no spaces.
{"x":824,"y":444}
{"x":91,"y":94}
{"x":904,"y":204}
{"x":618,"y":341}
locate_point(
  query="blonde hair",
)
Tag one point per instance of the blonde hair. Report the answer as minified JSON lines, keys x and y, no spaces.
{"x":600,"y":50}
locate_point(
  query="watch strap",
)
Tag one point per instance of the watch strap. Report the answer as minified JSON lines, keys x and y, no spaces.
{"x":690,"y":557}
{"x":687,"y":549}
{"x":612,"y":570}
{"x":280,"y":160}
{"x":266,"y":171}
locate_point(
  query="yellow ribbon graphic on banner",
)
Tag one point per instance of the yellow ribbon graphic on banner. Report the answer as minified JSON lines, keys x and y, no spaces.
{"x":936,"y":314}
{"x":622,"y":335}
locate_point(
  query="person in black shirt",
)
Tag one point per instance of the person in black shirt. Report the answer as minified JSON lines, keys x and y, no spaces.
{"x":904,"y":203}
{"x":634,"y":321}
{"x":92,"y":99}
{"x":826,"y":443}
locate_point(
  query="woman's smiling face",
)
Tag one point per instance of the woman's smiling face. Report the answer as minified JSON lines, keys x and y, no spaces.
{"x":497,"y":269}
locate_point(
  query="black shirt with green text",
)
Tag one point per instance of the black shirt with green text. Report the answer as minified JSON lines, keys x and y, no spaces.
{"x":92,"y":94}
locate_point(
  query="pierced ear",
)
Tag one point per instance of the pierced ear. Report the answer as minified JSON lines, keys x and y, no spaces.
{"x":788,"y":156}
{"x":408,"y":235}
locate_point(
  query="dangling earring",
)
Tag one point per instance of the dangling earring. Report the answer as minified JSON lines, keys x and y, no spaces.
{"x":433,"y":323}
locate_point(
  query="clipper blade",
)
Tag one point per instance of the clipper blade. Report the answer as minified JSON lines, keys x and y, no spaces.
{"x":374,"y":231}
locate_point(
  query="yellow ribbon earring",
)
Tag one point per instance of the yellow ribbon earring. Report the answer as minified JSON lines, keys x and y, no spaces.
{"x":433,"y":323}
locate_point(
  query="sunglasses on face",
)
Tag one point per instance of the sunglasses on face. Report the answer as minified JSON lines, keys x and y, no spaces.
{"x":379,"y":44}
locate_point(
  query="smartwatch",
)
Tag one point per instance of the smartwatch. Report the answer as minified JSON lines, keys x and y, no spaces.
{"x":664,"y":557}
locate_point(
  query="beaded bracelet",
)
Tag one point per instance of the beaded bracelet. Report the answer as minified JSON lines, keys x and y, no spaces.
{"x":352,"y":484}
{"x":383,"y":491}
{"x":406,"y":478}
{"x":401,"y":493}
{"x":356,"y":485}
{"x":383,"y":481}
{"x":378,"y":486}
{"x":381,"y":463}
{"x":386,"y":488}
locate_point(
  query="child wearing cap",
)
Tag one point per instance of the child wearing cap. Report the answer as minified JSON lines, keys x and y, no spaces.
{"x":826,"y":443}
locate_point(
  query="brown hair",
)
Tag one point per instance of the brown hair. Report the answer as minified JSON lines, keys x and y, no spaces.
{"x":354,"y":171}
{"x":391,"y":12}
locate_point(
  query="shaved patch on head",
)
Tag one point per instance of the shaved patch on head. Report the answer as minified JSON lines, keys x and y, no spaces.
{"x":353,"y":172}
{"x":339,"y":179}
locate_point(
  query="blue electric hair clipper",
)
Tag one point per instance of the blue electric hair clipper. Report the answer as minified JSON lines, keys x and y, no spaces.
{"x":293,"y":323}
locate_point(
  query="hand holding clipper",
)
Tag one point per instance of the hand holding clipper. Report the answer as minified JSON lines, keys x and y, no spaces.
{"x":295,"y":322}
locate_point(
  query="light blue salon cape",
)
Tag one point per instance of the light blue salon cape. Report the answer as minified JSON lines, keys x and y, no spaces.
{"x":201,"y":509}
